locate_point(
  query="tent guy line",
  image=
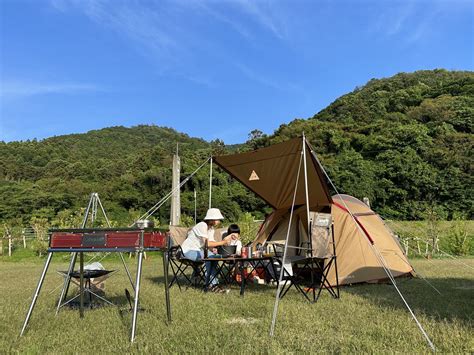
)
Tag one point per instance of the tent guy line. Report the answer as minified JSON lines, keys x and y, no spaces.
{"x":380,"y":257}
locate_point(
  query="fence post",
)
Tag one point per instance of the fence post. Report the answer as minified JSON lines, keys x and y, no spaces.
{"x":9,"y":245}
{"x":1,"y":247}
{"x":24,"y":238}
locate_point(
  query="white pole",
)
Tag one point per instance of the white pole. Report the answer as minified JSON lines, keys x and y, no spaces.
{"x":210,"y":184}
{"x":9,"y":245}
{"x":195,"y":207}
{"x":175,"y":214}
{"x":307,"y":194}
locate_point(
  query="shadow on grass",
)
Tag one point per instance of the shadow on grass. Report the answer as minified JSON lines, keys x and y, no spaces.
{"x":456,"y":301}
{"x":250,"y":286}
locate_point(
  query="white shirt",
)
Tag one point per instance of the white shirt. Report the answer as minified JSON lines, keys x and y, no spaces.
{"x":197,"y":237}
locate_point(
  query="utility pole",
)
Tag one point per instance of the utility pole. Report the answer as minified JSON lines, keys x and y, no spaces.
{"x":175,"y":216}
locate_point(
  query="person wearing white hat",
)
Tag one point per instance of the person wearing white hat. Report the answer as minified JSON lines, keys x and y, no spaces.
{"x":193,"y":246}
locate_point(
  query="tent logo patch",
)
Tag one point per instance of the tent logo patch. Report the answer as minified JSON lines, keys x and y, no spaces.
{"x":253,"y":176}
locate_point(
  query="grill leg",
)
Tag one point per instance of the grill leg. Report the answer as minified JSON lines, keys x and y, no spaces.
{"x":81,"y":284}
{"x":127,"y":271}
{"x":36,"y":294}
{"x":137,"y":291}
{"x":67,"y":281}
{"x":167,"y":289}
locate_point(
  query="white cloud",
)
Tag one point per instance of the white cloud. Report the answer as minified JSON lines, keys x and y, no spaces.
{"x":153,"y":29}
{"x":16,"y":89}
{"x":267,"y":14}
{"x":168,"y":32}
{"x":259,"y":78}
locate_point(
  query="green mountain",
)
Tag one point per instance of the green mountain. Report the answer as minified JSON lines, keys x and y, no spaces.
{"x":405,"y":142}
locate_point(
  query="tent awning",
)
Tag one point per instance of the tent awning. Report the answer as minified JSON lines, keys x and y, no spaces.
{"x":271,"y":174}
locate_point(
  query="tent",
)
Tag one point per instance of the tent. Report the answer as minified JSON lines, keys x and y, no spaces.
{"x":356,"y":262}
{"x":290,"y":178}
{"x":274,"y":173}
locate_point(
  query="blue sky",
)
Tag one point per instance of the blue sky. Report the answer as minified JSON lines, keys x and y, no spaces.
{"x":211,"y":69}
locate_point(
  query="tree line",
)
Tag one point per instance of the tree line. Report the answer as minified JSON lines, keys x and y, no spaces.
{"x":405,"y":142}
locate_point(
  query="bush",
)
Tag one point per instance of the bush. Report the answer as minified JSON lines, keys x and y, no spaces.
{"x":458,"y":241}
{"x":40,"y":247}
{"x":248,"y":228}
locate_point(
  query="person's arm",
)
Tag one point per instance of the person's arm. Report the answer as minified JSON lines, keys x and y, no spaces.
{"x":213,"y":244}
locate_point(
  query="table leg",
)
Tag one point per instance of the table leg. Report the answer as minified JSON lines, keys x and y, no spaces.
{"x":243,"y":279}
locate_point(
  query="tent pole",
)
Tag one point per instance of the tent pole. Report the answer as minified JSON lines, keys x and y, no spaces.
{"x":282,"y":270}
{"x":307,"y":195}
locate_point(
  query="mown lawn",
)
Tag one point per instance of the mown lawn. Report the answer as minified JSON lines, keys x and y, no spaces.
{"x":367,"y":318}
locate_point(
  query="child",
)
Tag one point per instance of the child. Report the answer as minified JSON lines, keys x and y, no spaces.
{"x":234,"y":232}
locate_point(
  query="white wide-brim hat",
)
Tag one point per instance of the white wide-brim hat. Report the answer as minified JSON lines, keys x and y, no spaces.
{"x":213,"y":214}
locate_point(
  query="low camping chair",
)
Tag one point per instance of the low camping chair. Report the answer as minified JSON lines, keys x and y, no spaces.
{"x":312,"y":268}
{"x":301,"y":271}
{"x":181,"y":267}
{"x":277,"y":267}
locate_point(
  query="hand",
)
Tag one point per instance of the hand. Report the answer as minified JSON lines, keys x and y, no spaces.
{"x":227,"y":240}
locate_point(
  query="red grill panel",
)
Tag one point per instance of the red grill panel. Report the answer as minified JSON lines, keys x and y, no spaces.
{"x":113,"y":239}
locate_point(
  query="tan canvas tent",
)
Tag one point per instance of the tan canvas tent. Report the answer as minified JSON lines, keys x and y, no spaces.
{"x":272,"y":174}
{"x":365,"y":249}
{"x":356,"y":261}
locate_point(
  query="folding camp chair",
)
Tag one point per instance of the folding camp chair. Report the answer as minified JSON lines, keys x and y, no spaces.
{"x":181,"y":267}
{"x":312,"y":267}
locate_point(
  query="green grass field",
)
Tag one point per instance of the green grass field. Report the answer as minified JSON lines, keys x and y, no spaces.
{"x":367,"y":318}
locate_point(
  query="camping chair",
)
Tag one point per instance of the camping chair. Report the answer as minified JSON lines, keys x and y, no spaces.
{"x":291,"y":274}
{"x":180,"y":267}
{"x":312,"y":268}
{"x":277,"y":267}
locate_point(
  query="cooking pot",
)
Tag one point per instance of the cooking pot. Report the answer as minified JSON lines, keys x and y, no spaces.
{"x":144,"y":223}
{"x":227,"y":250}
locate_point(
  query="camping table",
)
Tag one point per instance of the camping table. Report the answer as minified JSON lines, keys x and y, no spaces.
{"x":316,"y":266}
{"x":232,"y":263}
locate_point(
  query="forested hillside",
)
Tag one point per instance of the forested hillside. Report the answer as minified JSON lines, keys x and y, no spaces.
{"x":405,"y":142}
{"x":130,"y":168}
